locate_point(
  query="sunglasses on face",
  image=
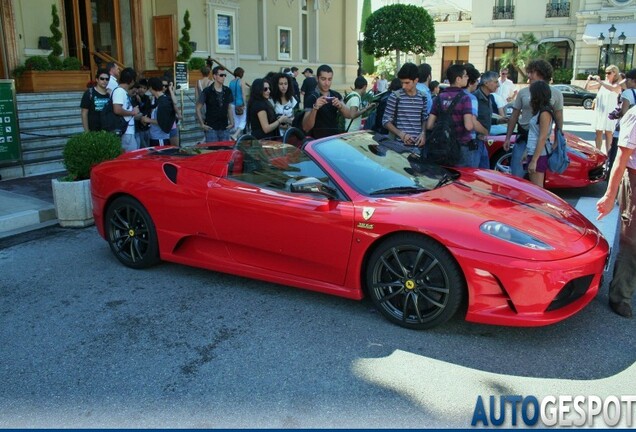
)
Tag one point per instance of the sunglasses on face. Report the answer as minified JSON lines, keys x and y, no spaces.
{"x":266,"y":89}
{"x":103,"y":78}
{"x":223,"y":75}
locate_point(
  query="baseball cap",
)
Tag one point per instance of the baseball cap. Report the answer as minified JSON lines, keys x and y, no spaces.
{"x":310,"y":70}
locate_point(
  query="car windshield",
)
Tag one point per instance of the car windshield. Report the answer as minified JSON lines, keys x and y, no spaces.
{"x":373,"y":166}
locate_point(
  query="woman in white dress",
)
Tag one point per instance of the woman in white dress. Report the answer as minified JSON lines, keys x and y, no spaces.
{"x":606,"y":102}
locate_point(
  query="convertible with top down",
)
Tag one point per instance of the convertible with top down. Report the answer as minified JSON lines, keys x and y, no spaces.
{"x":348,"y":215}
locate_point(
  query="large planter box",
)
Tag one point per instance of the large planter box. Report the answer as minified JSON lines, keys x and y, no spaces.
{"x":52,"y":81}
{"x":73,"y":203}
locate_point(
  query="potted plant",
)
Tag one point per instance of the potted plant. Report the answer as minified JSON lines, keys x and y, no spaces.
{"x":72,"y":194}
{"x":194,"y":66}
{"x":44,"y":74}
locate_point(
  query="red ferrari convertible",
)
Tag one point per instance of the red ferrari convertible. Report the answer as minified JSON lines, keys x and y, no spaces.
{"x":587,"y":164}
{"x":349,"y":216}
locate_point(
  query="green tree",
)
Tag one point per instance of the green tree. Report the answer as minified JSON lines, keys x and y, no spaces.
{"x":368,"y":61}
{"x":54,"y":40}
{"x":528,"y":49}
{"x":184,"y":42}
{"x":399,"y":28}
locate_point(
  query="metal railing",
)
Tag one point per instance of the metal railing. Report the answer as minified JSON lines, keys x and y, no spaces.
{"x":553,"y":10}
{"x":503,"y":12}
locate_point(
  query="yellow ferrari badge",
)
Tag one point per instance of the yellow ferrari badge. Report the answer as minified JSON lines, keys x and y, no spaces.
{"x":367,"y":212}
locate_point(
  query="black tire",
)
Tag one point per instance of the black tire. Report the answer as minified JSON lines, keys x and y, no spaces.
{"x":414,"y":281}
{"x":131,"y":234}
{"x":587,"y":103}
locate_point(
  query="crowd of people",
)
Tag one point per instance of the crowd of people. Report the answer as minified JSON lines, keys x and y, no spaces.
{"x":148,"y":107}
{"x":411,"y":110}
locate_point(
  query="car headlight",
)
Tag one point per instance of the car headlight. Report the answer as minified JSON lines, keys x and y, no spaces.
{"x":513,"y":235}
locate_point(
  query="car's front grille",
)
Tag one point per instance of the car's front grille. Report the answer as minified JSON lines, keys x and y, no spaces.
{"x":572,"y":291}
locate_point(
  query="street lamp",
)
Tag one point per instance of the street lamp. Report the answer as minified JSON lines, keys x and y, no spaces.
{"x":611,"y":32}
{"x":360,"y":42}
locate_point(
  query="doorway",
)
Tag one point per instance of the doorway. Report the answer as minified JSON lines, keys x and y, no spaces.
{"x":99,"y":26}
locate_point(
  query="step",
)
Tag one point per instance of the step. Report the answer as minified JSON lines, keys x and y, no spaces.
{"x":20,"y":212}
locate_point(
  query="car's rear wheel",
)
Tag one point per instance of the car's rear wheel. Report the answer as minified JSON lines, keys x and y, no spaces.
{"x":587,"y":103}
{"x":414,"y":281}
{"x":502,"y":162}
{"x":131,"y":233}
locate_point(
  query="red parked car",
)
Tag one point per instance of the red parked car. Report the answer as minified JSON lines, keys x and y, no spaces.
{"x":587,"y":164}
{"x":348,"y":216}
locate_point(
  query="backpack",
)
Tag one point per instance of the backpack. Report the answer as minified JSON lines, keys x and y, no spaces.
{"x":165,"y":118}
{"x":374,"y":120}
{"x":343,"y":125}
{"x":442,"y":146}
{"x":110,"y":121}
{"x":558,"y":159}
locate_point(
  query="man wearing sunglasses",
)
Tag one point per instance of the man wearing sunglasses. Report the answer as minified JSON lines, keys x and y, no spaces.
{"x":93,"y":101}
{"x":219,"y":115}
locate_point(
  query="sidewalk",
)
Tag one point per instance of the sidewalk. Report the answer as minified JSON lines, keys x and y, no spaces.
{"x":26,"y":204}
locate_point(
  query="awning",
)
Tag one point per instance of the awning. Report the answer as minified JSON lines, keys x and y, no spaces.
{"x":593,"y":31}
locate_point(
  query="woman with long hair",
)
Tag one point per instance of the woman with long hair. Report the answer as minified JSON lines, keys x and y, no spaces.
{"x":605,"y":102}
{"x":261,"y":115}
{"x":283,"y":98}
{"x":539,"y":130}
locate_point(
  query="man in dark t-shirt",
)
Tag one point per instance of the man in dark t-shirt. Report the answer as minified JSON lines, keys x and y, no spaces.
{"x":219,"y":115}
{"x":322,"y":106}
{"x":94,"y":100}
{"x":309,"y":84}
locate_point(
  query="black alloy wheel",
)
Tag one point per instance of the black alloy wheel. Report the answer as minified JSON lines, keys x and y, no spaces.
{"x":414,"y":281}
{"x":131,"y":233}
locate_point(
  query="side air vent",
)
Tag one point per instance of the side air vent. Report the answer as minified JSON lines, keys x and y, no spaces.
{"x":171,"y":172}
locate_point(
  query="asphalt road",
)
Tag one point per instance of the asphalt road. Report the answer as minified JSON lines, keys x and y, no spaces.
{"x":87,"y":342}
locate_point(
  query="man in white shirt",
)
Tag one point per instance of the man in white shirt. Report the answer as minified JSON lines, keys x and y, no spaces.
{"x":507,"y":89}
{"x":122,"y":106}
{"x":383,"y":84}
{"x":113,"y":71}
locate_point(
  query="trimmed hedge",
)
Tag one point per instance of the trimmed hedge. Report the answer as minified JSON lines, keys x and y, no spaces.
{"x":83,"y":151}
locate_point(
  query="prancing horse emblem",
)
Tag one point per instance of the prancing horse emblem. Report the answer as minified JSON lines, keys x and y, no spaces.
{"x":367,"y":212}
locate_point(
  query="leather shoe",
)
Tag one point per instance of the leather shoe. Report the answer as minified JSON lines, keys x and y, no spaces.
{"x":621,"y":308}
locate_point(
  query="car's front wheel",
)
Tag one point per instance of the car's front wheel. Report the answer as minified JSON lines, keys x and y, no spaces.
{"x":587,"y":103}
{"x":414,"y":281}
{"x":502,"y":162}
{"x":131,"y":233}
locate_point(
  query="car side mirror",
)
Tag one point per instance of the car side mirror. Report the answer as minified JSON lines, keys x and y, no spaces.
{"x":313,"y":185}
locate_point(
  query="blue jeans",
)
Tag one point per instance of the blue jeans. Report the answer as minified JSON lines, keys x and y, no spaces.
{"x":516,"y":160}
{"x":469,"y":158}
{"x":484,"y":162}
{"x":212,"y":135}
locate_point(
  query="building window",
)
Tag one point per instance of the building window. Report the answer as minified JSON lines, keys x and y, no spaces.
{"x":453,"y":55}
{"x":493,"y":58}
{"x":563,"y":59}
{"x":557,"y":8}
{"x":503,"y":9}
{"x":619,"y":55}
